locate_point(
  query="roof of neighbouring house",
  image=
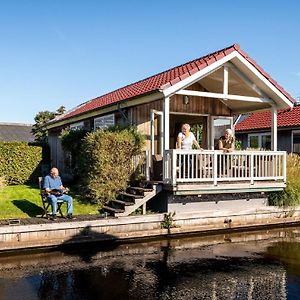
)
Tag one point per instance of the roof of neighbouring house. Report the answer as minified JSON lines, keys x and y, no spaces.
{"x":10,"y":132}
{"x":164,"y":80}
{"x":262,"y":120}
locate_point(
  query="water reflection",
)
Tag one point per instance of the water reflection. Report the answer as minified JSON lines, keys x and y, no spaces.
{"x":253,"y":265}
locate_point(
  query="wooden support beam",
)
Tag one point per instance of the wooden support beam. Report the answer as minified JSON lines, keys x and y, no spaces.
{"x":166,"y":121}
{"x":225,"y":82}
{"x":224,"y":96}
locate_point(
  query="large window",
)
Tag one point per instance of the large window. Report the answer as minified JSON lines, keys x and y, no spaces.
{"x":104,"y":122}
{"x":296,"y":141}
{"x":259,"y":141}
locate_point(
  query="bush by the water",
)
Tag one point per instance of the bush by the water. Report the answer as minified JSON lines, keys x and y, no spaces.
{"x":291,"y":195}
{"x":106,"y":162}
{"x":19,"y":162}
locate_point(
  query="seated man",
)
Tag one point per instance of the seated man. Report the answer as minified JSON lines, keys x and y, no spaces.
{"x":53,"y":186}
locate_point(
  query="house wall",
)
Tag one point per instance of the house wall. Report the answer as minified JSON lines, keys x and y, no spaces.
{"x":284,"y":140}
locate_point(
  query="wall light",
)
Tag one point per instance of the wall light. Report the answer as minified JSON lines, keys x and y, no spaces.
{"x":186,"y":100}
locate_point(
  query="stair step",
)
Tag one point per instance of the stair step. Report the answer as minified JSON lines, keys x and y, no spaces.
{"x":124,"y":194}
{"x":138,"y":190}
{"x":121,"y":202}
{"x":112,"y":210}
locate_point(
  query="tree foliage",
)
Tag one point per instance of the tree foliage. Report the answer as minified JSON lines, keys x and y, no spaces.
{"x":38,"y":129}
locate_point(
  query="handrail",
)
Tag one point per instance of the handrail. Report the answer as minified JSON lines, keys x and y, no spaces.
{"x":216,"y":166}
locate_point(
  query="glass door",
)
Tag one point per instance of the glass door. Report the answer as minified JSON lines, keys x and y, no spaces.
{"x":218,"y":127}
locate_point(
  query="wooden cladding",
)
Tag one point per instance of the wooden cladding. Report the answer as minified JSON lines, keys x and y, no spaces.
{"x":199,"y":105}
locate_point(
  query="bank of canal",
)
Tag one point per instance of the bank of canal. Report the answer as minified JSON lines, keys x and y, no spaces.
{"x":52,"y":234}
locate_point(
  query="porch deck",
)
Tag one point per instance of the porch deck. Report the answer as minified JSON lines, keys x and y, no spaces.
{"x":192,"y":172}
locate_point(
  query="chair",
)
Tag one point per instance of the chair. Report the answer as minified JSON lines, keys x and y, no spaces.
{"x":46,"y":203}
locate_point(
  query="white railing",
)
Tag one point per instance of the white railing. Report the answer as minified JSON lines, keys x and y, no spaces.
{"x":192,"y":166}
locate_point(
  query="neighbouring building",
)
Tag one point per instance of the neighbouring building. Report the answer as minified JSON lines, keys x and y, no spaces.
{"x":10,"y":132}
{"x":255,"y":130}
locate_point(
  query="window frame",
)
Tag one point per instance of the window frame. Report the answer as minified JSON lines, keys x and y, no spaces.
{"x":105,"y":126}
{"x":259,"y":135}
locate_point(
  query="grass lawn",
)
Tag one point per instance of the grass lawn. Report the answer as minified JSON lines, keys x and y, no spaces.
{"x":24,"y":201}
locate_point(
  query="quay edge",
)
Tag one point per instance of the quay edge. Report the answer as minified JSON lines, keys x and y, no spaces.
{"x":122,"y":229}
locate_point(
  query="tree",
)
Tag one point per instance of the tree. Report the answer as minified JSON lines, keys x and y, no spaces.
{"x":39,"y":129}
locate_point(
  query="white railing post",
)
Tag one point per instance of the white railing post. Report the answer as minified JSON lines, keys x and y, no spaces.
{"x":215,"y":168}
{"x":174,"y":171}
{"x":284,"y":167}
{"x":147,"y":165}
{"x":251,"y":168}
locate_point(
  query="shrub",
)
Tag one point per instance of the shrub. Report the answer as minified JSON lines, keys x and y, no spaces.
{"x":291,"y":194}
{"x":19,"y":162}
{"x":105,"y":164}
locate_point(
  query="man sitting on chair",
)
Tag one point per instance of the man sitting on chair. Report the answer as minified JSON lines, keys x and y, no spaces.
{"x":54,"y":187}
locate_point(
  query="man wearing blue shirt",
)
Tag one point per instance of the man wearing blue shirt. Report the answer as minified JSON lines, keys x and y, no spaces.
{"x":54,"y":187}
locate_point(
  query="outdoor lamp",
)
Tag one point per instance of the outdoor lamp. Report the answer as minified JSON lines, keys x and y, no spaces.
{"x":186,"y":100}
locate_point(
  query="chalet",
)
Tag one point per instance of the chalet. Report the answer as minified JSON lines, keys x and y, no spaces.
{"x":255,"y":130}
{"x":206,"y":93}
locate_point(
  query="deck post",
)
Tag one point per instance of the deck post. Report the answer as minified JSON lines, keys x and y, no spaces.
{"x":166,"y":126}
{"x":274,"y":128}
{"x":166,"y":122}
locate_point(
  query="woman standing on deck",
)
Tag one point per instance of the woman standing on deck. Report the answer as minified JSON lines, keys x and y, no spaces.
{"x":186,"y":138}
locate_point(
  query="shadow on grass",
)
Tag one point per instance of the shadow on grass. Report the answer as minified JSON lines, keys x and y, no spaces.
{"x":29,"y":208}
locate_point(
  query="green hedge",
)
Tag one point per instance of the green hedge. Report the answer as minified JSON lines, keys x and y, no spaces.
{"x":19,"y":162}
{"x":105,"y":164}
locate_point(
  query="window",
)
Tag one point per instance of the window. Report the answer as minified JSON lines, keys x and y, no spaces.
{"x":260,"y":141}
{"x":296,"y":141}
{"x":104,"y":122}
{"x":77,"y":126}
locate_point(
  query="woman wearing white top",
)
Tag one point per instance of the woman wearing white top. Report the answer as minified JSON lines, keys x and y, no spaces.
{"x":186,"y":139}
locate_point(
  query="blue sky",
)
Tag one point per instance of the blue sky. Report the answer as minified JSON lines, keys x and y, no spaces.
{"x":65,"y":52}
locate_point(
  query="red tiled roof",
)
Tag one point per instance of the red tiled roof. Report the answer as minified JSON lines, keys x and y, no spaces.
{"x":162,"y":81}
{"x":262,"y":120}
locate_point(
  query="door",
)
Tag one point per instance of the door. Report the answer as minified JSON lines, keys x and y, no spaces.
{"x":218,"y":127}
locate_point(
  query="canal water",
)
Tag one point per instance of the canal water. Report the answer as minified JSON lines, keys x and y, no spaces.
{"x":252,"y":265}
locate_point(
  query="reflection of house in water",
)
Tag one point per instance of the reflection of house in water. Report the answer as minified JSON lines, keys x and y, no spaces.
{"x":176,"y":269}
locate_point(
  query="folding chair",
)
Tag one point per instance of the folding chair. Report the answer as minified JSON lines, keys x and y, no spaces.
{"x":46,"y":203}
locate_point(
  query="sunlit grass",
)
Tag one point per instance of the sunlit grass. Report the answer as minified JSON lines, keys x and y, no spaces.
{"x":24,"y":201}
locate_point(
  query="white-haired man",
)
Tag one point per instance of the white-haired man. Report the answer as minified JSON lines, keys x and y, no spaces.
{"x":54,"y":187}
